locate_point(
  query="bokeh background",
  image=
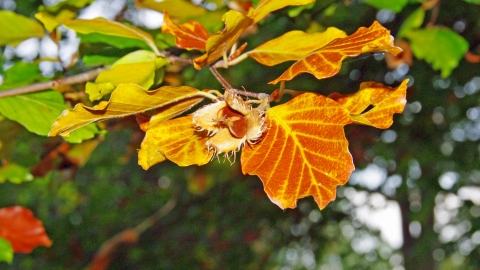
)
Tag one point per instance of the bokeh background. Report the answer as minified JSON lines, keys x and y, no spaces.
{"x":412,"y":203}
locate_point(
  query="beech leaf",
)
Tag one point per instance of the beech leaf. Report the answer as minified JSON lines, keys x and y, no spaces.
{"x":6,"y":251}
{"x":126,"y":99}
{"x":393,"y":5}
{"x":17,"y":28}
{"x":22,"y":229}
{"x":304,"y":151}
{"x":137,"y":67}
{"x":220,"y":42}
{"x":190,"y":35}
{"x":293,"y":45}
{"x":385,"y":100}
{"x":265,"y":7}
{"x":327,"y":61}
{"x":110,"y":28}
{"x":14,"y":173}
{"x":176,"y":8}
{"x":425,"y":45}
{"x":176,"y":140}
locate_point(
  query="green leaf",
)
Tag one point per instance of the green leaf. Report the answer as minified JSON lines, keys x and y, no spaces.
{"x":38,"y":111}
{"x":295,"y":11}
{"x":17,"y":28}
{"x":98,"y":60}
{"x":394,"y":5}
{"x":21,"y":74}
{"x":6,"y":251}
{"x":441,"y":47}
{"x":15,"y":174}
{"x":477,"y":2}
{"x":137,"y":67}
{"x":117,"y":42}
{"x":413,"y":22}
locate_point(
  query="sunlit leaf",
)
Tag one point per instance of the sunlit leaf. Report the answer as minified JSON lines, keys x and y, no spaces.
{"x":137,"y":67}
{"x":265,"y":7}
{"x":14,"y":173}
{"x":127,"y":99}
{"x":190,"y":35}
{"x":111,"y":28}
{"x":385,"y":100}
{"x":293,"y":45}
{"x":425,"y":45}
{"x":219,"y":43}
{"x":412,"y":22}
{"x":394,"y":5}
{"x":175,"y":140}
{"x":48,"y":21}
{"x":6,"y":251}
{"x":303,"y":153}
{"x":16,"y":28}
{"x":327,"y":61}
{"x":176,"y":8}
{"x":38,"y":111}
{"x":22,"y":229}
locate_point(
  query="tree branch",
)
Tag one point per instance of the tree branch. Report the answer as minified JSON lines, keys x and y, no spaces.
{"x":102,"y":258}
{"x":79,"y":78}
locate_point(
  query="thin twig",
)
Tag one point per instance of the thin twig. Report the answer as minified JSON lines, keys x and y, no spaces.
{"x":79,"y":78}
{"x":220,"y":79}
{"x":102,"y":258}
{"x":434,"y":15}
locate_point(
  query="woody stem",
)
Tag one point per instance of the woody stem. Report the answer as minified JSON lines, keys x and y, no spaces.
{"x":228,"y":87}
{"x":220,"y":79}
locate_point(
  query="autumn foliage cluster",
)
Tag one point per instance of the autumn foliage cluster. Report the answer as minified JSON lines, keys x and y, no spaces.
{"x":297,"y":148}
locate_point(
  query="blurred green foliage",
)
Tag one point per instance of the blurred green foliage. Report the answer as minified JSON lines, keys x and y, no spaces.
{"x":223,"y":219}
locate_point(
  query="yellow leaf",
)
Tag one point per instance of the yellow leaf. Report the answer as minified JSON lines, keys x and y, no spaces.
{"x":176,"y":8}
{"x":176,"y":140}
{"x":385,"y":100}
{"x":293,"y":45}
{"x":265,"y":7}
{"x":16,"y":28}
{"x":48,"y":21}
{"x":126,"y":99}
{"x":326,"y":61}
{"x":304,"y":151}
{"x":220,"y":42}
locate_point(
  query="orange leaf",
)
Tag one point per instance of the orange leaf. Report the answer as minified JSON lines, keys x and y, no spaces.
{"x":293,"y":45}
{"x":219,"y":43}
{"x":304,"y":152}
{"x":327,"y":61}
{"x":385,"y":101}
{"x":190,"y":35}
{"x":24,"y":232}
{"x":266,"y":6}
{"x":176,"y":140}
